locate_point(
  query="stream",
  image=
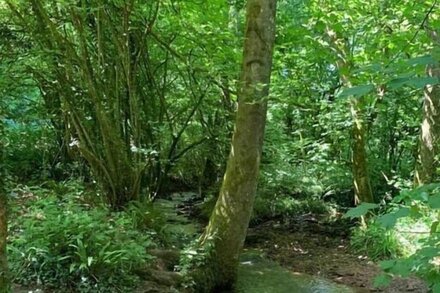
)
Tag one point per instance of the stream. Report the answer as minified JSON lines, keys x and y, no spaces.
{"x":256,"y":273}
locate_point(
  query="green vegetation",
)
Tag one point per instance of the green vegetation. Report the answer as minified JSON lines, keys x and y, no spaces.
{"x":127,"y":126}
{"x":376,"y":242}
{"x":406,"y":235}
{"x":57,"y":241}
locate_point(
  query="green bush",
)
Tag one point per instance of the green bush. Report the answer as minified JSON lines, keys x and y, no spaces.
{"x":59,"y":244}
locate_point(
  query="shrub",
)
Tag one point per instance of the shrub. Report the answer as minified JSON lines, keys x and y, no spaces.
{"x":61,"y":244}
{"x":408,"y":233}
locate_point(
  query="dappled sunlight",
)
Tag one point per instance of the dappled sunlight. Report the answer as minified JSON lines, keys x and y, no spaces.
{"x":145,"y":144}
{"x":426,"y":133}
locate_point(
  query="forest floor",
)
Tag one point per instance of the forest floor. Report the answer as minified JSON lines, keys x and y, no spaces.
{"x":318,"y":250}
{"x":304,"y":245}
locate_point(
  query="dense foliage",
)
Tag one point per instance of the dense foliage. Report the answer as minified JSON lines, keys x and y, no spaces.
{"x":58,"y":240}
{"x":130,"y":101}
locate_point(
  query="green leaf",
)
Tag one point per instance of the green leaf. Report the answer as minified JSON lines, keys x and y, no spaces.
{"x":414,"y":82}
{"x":390,"y":219}
{"x":434,"y":226}
{"x":434,"y":201}
{"x":429,"y":252}
{"x":72,"y":267}
{"x":387,"y":264}
{"x":382,"y":280}
{"x":422,"y":60}
{"x":360,"y":210}
{"x":356,"y":91}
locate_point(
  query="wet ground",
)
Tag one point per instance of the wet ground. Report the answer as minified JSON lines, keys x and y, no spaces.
{"x":257,"y":274}
{"x":317,"y":251}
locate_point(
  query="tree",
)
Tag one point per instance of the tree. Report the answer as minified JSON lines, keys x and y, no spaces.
{"x":361,"y":178}
{"x":429,"y":140}
{"x":4,"y":280}
{"x":229,"y":221}
{"x":124,"y":91}
{"x":4,"y":284}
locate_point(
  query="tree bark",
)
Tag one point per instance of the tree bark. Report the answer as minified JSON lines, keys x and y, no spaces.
{"x":428,"y":161}
{"x":4,"y":280}
{"x":229,"y":221}
{"x":3,"y":236}
{"x":361,"y":178}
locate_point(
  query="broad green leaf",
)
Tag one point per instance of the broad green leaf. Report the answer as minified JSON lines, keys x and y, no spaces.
{"x":429,"y":252}
{"x":382,"y":280}
{"x":356,"y":91}
{"x":390,"y":219}
{"x":360,"y":210}
{"x":414,"y":82}
{"x":387,"y":264}
{"x":422,"y":60}
{"x":434,"y":201}
{"x":421,"y":82}
{"x":402,"y":268}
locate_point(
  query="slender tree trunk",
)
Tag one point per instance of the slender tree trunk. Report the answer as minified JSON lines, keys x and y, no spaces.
{"x":4,"y":280}
{"x":3,"y":236}
{"x":361,"y":178}
{"x":428,"y":161}
{"x":229,"y":221}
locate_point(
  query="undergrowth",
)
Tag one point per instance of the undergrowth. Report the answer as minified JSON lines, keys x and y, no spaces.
{"x":58,"y":242}
{"x":376,"y":242}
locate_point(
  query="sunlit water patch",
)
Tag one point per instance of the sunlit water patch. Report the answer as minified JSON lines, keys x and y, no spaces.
{"x":259,"y":275}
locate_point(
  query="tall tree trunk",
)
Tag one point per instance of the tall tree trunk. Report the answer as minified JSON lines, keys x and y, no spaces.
{"x":428,"y":161}
{"x":361,"y":178}
{"x":4,"y":280}
{"x":229,"y":221}
{"x":3,"y":236}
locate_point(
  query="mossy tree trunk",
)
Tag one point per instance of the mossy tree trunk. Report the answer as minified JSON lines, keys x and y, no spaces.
{"x":4,"y":280}
{"x":229,"y":221}
{"x":3,"y":236}
{"x":428,"y":161}
{"x":361,"y":177}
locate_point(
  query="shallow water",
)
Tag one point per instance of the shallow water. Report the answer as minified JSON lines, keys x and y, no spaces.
{"x":256,"y":274}
{"x":259,"y":275}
